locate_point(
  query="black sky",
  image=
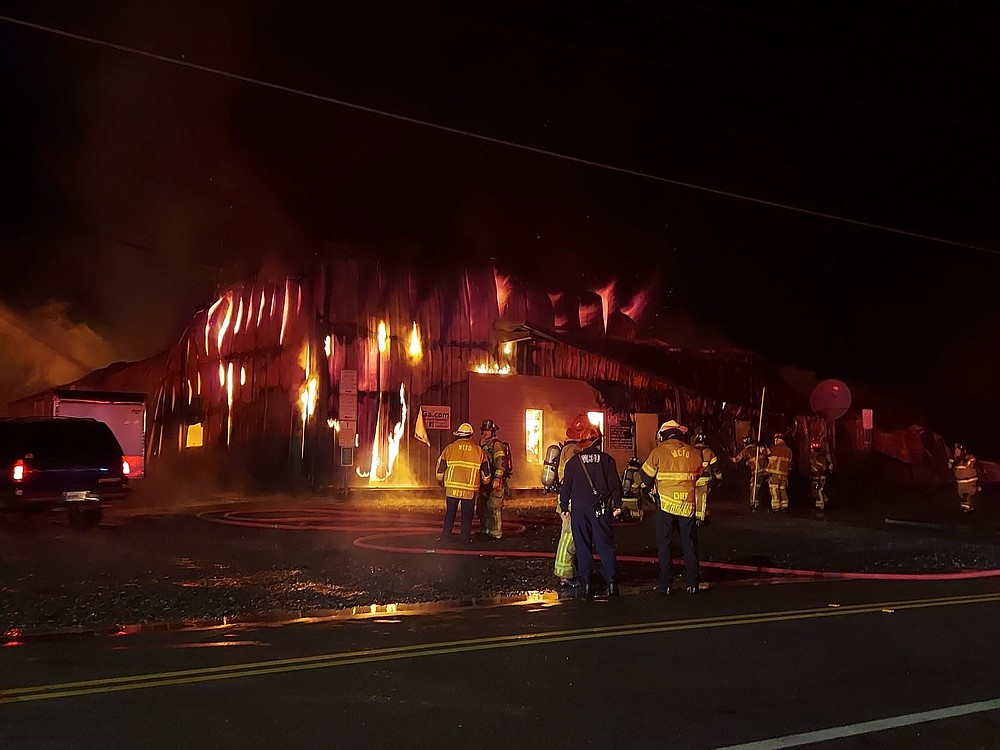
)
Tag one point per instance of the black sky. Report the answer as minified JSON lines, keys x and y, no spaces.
{"x":883,"y":115}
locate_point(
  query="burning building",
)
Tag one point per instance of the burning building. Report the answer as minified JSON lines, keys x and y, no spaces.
{"x":355,"y":374}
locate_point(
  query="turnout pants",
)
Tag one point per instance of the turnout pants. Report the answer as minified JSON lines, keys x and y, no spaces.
{"x":688,"y":532}
{"x":449,"y":517}
{"x":565,"y":565}
{"x":701,"y":501}
{"x":491,"y":522}
{"x":755,"y":488}
{"x":592,"y":533}
{"x":967,"y":491}
{"x":779,"y":491}
{"x":818,"y":490}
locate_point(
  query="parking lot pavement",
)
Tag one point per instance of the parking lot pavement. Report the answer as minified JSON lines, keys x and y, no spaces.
{"x":301,"y":555}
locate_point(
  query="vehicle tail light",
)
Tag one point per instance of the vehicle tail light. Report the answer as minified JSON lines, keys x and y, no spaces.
{"x":19,"y":470}
{"x":125,"y":468}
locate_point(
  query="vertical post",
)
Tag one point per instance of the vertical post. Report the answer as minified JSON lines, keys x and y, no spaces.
{"x":760,"y":427}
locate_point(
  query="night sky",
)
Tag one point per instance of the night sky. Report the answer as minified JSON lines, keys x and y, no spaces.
{"x":132,"y":187}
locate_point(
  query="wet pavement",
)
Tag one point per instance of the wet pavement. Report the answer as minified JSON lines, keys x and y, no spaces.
{"x":289,"y":557}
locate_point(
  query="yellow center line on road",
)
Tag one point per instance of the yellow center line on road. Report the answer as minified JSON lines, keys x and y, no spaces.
{"x":367,"y":656}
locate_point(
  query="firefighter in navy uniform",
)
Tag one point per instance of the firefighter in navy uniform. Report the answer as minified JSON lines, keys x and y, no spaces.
{"x":496,"y":491}
{"x":820,"y":467}
{"x":963,"y":467}
{"x":779,"y":464}
{"x":673,"y":466}
{"x":711,"y":475}
{"x":755,"y":458}
{"x":590,"y":496}
{"x":463,"y":467}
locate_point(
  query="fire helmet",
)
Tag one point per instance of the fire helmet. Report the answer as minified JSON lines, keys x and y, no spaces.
{"x":489,"y":424}
{"x":581,"y":429}
{"x":959,"y":448}
{"x":671,"y":429}
{"x":700,"y":439}
{"x":748,"y":440}
{"x":816,"y":445}
{"x":464,"y":430}
{"x":779,"y":436}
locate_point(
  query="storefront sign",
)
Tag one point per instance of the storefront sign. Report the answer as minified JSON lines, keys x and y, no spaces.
{"x":436,"y":417}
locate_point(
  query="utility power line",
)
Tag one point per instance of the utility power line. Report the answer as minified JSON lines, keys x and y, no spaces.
{"x":490,"y":139}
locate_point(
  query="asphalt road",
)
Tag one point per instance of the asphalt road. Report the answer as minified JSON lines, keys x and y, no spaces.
{"x":744,"y":662}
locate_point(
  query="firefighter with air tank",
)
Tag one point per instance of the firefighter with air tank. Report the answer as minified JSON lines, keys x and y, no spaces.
{"x":820,"y":467}
{"x":966,"y":472}
{"x":755,"y":457}
{"x":497,"y":490}
{"x":711,"y":475}
{"x":779,"y":464}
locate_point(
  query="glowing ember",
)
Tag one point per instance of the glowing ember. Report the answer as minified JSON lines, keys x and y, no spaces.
{"x":243,"y":376}
{"x":416,"y":350}
{"x":328,"y":346}
{"x":222,"y":374}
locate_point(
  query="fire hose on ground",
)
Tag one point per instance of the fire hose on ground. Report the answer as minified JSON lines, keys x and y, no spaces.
{"x":376,"y":528}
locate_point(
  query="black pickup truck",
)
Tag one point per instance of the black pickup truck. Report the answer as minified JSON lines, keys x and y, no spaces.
{"x":74,"y":462}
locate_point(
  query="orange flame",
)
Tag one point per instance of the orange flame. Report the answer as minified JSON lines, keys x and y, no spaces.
{"x":504,"y":288}
{"x":239,"y":317}
{"x":229,"y":402}
{"x":638,"y":304}
{"x":415,"y":350}
{"x":383,"y":337}
{"x":225,"y":321}
{"x":208,"y":320}
{"x":607,"y":295}
{"x":284,"y":316}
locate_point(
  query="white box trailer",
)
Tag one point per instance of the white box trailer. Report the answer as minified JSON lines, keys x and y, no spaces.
{"x":124,"y":413}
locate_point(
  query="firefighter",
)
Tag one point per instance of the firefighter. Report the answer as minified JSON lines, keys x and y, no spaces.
{"x":672,"y":467}
{"x":963,"y":467}
{"x":820,"y":467}
{"x":463,"y":467}
{"x":497,"y":490}
{"x":565,"y":562}
{"x":590,"y":496}
{"x":779,"y":463}
{"x":711,"y":474}
{"x":755,"y":458}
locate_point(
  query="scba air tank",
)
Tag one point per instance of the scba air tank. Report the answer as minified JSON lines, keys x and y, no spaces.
{"x":550,"y":467}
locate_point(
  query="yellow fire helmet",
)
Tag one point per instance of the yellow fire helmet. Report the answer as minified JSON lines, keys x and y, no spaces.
{"x":464,"y":430}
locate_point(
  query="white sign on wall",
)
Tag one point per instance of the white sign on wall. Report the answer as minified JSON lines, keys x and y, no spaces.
{"x":348,"y":409}
{"x":436,"y":417}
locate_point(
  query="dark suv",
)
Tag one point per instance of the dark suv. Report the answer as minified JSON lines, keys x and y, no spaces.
{"x":77,"y":462}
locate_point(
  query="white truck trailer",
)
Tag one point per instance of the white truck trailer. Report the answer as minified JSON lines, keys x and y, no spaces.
{"x":124,"y":413}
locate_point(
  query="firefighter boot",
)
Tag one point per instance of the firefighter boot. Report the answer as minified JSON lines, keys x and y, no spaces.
{"x":584,"y":590}
{"x":613,"y":590}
